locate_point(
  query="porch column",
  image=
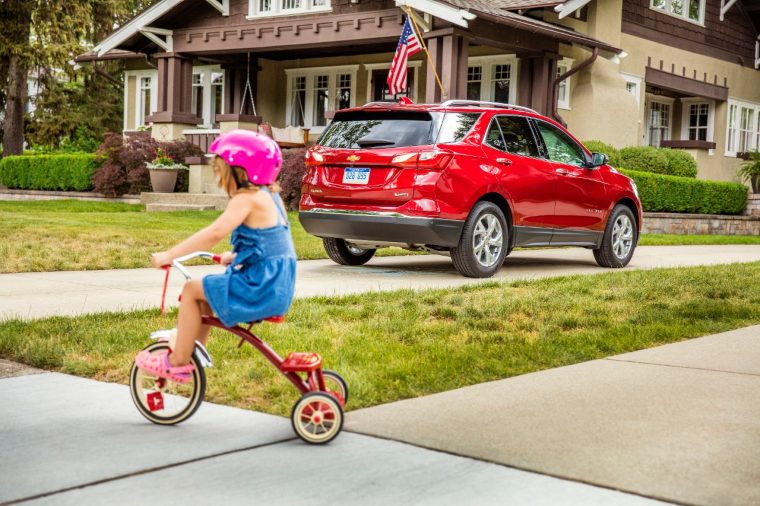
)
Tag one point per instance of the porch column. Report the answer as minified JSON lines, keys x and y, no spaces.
{"x":235,"y":116}
{"x":536,"y":77}
{"x":449,"y":54}
{"x":175,"y":89}
{"x":432,"y":91}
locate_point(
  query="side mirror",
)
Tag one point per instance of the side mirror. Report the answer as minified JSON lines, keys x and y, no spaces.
{"x":598,"y":159}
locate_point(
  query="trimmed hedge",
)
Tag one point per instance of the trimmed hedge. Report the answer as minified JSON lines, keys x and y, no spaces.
{"x":673,"y":194}
{"x":49,"y":172}
{"x":671,"y":162}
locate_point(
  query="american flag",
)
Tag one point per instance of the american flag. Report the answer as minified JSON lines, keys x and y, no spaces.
{"x":407,"y":46}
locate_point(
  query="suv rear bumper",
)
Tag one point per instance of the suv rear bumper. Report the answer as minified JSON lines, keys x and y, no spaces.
{"x":382,"y":227}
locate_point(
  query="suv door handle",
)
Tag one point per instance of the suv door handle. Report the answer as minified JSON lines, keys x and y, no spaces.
{"x":562,"y":171}
{"x":504,"y":161}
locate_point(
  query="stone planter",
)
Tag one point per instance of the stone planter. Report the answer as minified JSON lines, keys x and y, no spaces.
{"x":163,"y":179}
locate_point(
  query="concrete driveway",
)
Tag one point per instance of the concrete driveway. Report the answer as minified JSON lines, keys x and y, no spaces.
{"x":39,"y":294}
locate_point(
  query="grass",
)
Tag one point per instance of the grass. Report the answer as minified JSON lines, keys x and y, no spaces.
{"x":391,"y":346}
{"x":74,"y":235}
{"x":689,"y":240}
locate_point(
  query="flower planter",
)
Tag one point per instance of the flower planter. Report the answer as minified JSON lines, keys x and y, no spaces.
{"x":163,"y":180}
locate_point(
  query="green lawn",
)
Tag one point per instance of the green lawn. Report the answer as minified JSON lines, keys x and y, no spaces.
{"x":75,"y":235}
{"x":391,"y":346}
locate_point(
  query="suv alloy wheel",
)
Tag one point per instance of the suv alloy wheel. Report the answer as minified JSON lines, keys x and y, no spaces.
{"x":484,"y":242}
{"x":619,"y":240}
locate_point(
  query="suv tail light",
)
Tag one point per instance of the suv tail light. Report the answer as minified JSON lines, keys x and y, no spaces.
{"x":432,"y":160}
{"x":313,"y":158}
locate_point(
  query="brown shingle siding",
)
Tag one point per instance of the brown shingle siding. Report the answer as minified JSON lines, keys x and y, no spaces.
{"x":731,"y":40}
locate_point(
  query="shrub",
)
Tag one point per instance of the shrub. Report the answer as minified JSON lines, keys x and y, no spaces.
{"x":662,"y":193}
{"x":601,"y":147}
{"x":124,"y":170}
{"x":71,"y":172}
{"x":672,"y":162}
{"x":643,"y":158}
{"x":680,"y":163}
{"x":293,"y":169}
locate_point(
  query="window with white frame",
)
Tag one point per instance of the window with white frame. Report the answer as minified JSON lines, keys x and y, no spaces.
{"x":743,"y":127}
{"x":658,"y":124}
{"x":314,"y":92}
{"x":208,"y":94}
{"x":697,"y":120}
{"x":563,"y":91}
{"x":690,"y":10}
{"x":492,"y":78}
{"x":140,"y":97}
{"x":144,"y":100}
{"x":377,"y":85}
{"x":474,"y":80}
{"x":261,"y":8}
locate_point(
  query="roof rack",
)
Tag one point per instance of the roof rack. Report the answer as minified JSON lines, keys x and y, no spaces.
{"x":480,"y":103}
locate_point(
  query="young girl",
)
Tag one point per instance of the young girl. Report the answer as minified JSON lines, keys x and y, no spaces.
{"x":261,"y":269}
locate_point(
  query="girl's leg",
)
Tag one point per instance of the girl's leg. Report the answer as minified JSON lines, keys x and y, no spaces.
{"x":205,"y":329}
{"x":189,"y":326}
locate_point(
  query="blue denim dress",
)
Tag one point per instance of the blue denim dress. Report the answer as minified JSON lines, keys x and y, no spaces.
{"x":261,"y":281}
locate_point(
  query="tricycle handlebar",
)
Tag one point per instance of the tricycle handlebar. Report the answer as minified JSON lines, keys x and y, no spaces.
{"x":177,"y":262}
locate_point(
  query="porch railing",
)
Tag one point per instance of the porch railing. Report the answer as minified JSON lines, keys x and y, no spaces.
{"x":201,"y":137}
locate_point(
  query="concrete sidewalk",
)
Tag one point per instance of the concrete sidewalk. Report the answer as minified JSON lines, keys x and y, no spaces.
{"x":39,"y":294}
{"x":72,"y":441}
{"x":679,"y":422}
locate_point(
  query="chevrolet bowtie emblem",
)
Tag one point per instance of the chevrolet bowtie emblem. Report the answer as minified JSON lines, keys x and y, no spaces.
{"x":353,"y":158}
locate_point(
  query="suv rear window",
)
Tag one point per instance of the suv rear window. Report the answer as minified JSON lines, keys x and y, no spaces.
{"x":392,"y":129}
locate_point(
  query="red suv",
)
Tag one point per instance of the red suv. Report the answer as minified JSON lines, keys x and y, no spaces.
{"x":467,"y":179}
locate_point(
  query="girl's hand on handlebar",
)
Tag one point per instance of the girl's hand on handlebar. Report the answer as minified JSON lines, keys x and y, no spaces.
{"x":160,"y":260}
{"x":227,"y":258}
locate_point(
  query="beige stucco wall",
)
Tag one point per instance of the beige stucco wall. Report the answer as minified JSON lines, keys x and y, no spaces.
{"x":603,"y":109}
{"x":743,"y":84}
{"x":129,"y":107}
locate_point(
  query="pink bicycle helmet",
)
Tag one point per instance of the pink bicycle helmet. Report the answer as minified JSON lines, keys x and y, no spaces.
{"x":257,"y":154}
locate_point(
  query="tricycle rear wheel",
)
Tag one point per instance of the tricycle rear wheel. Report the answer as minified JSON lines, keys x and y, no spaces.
{"x":317,"y":417}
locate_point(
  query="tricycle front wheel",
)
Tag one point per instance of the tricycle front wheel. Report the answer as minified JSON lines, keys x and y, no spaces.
{"x":162,"y":401}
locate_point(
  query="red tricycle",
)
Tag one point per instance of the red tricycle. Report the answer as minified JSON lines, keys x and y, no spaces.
{"x":317,"y":417}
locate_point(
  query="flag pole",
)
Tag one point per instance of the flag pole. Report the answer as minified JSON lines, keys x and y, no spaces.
{"x":417,"y":33}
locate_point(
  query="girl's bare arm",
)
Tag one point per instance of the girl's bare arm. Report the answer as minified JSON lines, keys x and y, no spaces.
{"x":237,"y":210}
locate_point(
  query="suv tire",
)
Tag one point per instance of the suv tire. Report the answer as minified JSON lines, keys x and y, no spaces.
{"x":484,"y":242}
{"x":344,"y":254}
{"x":619,"y":240}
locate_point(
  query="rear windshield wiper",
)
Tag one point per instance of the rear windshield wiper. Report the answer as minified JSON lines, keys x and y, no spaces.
{"x":365,"y":142}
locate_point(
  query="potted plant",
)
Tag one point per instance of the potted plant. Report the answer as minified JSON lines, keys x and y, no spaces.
{"x":750,"y":171}
{"x":163,"y":172}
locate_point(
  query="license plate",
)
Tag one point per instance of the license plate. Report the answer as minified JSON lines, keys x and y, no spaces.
{"x":355,"y":175}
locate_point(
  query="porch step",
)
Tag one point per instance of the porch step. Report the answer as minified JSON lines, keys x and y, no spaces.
{"x":163,"y":208}
{"x":186,"y":201}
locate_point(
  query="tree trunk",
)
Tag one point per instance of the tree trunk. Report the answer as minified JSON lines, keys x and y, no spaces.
{"x":13,"y":132}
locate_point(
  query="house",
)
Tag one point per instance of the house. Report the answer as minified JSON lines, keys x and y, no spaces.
{"x":677,"y":73}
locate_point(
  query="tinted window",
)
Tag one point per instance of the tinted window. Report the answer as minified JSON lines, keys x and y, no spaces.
{"x":455,"y":126}
{"x":368,"y":129}
{"x":518,"y":137}
{"x":494,"y":138}
{"x":560,"y":147}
